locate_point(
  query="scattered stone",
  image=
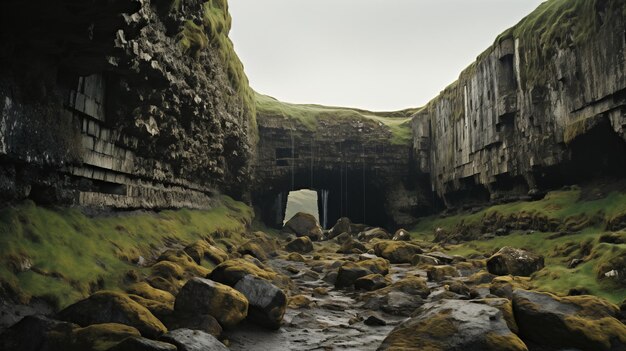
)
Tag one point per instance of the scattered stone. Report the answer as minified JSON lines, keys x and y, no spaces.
{"x":440,"y":273}
{"x":135,"y":343}
{"x":401,"y":235}
{"x":100,"y":337}
{"x":342,"y":226}
{"x":370,"y":282}
{"x":397,"y":251}
{"x":295,"y":257}
{"x":302,"y":245}
{"x":113,"y":307}
{"x":320,"y":291}
{"x":193,"y":340}
{"x":514,"y":262}
{"x":352,"y":246}
{"x":299,"y":301}
{"x":481,"y":277}
{"x":580,"y":322}
{"x":421,"y":259}
{"x":349,"y":272}
{"x":205,"y":296}
{"x":201,"y":249}
{"x":252,"y":248}
{"x":454,"y":325}
{"x":374,"y":321}
{"x":303,"y":224}
{"x":231,"y":271}
{"x":342,"y":238}
{"x":194,"y":320}
{"x":267,"y":303}
{"x":440,"y":256}
{"x":374,"y":233}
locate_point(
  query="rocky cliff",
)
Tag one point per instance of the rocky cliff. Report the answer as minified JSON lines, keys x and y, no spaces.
{"x":121,"y":103}
{"x":544,"y":106}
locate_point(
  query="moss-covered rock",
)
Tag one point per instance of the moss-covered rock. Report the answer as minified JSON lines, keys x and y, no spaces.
{"x":135,"y":343}
{"x":299,"y":301}
{"x":373,"y":233}
{"x":440,"y":273}
{"x":349,"y":272}
{"x":371,"y":282}
{"x":113,"y":307}
{"x":189,"y":267}
{"x":100,"y":337}
{"x":157,"y":308}
{"x":454,"y":325}
{"x":221,"y":301}
{"x":231,"y":271}
{"x":582,"y":322}
{"x":37,"y":332}
{"x":514,"y":261}
{"x":302,"y":244}
{"x":303,"y":224}
{"x":267,"y":303}
{"x":504,"y":286}
{"x":351,"y":246}
{"x":397,"y":251}
{"x":193,"y":340}
{"x":202,"y":249}
{"x":144,"y":290}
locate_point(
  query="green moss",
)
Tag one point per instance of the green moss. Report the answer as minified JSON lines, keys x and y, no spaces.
{"x":72,"y":254}
{"x":398,"y":122}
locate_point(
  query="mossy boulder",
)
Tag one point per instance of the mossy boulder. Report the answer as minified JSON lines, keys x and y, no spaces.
{"x":299,"y":301}
{"x":193,"y":320}
{"x":193,"y":340}
{"x":397,"y":251}
{"x":424,"y":260}
{"x":135,"y":343}
{"x":113,"y":307}
{"x":303,"y":224}
{"x":342,"y":226}
{"x":144,"y":290}
{"x":580,"y":322}
{"x":157,"y":308}
{"x":302,"y":244}
{"x":454,"y":325}
{"x":100,"y":337}
{"x":371,"y":282}
{"x":401,"y":235}
{"x":205,"y":296}
{"x":480,"y":277}
{"x":514,"y":261}
{"x":506,"y":307}
{"x":189,"y":267}
{"x":231,"y":271}
{"x":504,"y":286}
{"x":373,"y":233}
{"x":267,"y":303}
{"x":352,"y":246}
{"x":349,"y":272}
{"x":441,"y":273}
{"x":295,"y":257}
{"x":202,"y":249}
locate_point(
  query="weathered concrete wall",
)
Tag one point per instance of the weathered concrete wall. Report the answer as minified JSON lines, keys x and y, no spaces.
{"x":526,"y":117}
{"x":107,"y":109}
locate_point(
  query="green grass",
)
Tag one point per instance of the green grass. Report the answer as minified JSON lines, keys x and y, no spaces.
{"x":556,"y":277}
{"x":309,"y":116}
{"x":73,"y":254}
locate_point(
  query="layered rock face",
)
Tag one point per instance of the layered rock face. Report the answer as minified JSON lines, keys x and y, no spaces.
{"x":543,"y":107}
{"x":128,"y":104}
{"x":356,"y":164}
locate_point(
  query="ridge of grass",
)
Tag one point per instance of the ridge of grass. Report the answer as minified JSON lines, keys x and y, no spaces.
{"x":309,"y":116}
{"x":72,"y":254}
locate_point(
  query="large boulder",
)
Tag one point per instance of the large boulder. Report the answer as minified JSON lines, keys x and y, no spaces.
{"x":193,"y":320}
{"x":34,"y":333}
{"x":349,"y":272}
{"x":193,"y":340}
{"x":454,"y":325}
{"x":221,"y":301}
{"x":231,"y":271}
{"x":514,"y":261}
{"x":113,"y":307}
{"x":397,"y":251}
{"x":302,"y":245}
{"x":100,"y":337}
{"x":267,"y":303}
{"x":342,"y":226}
{"x":578,"y":322}
{"x":400,"y":298}
{"x":371,"y":282}
{"x":441,"y":273}
{"x":373,"y":233}
{"x":202,"y":249}
{"x":303,"y":224}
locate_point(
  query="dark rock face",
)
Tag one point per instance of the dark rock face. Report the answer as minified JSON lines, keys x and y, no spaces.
{"x":267,"y":303}
{"x":454,"y":325}
{"x":35,"y":333}
{"x":110,"y":108}
{"x":533,"y":112}
{"x":513,"y":261}
{"x":303,"y":224}
{"x":193,"y":340}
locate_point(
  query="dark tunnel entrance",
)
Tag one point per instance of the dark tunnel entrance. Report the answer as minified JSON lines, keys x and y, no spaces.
{"x":356,"y":193}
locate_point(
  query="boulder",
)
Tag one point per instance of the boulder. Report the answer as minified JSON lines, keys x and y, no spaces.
{"x":193,"y":340}
{"x":204,"y":296}
{"x":397,"y":251}
{"x":454,"y":325}
{"x":100,"y":337}
{"x":266,"y":302}
{"x":504,"y":286}
{"x":443,"y":258}
{"x":421,"y":259}
{"x":342,"y":238}
{"x":349,"y":272}
{"x":396,"y":303}
{"x":146,"y":291}
{"x":514,"y":261}
{"x":302,"y":245}
{"x":202,"y":249}
{"x":303,"y":224}
{"x":113,"y":307}
{"x":352,"y":246}
{"x":441,"y":273}
{"x":135,"y":343}
{"x":578,"y":322}
{"x":371,"y":282}
{"x":231,"y":271}
{"x":342,"y":226}
{"x":34,"y":333}
{"x":373,"y":233}
{"x":401,"y":235}
{"x":193,"y":320}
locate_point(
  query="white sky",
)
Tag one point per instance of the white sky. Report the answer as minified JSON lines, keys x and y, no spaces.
{"x":372,"y":54}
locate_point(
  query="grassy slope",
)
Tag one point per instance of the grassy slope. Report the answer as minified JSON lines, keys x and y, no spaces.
{"x":556,"y":276}
{"x":398,"y":122}
{"x":70,"y":251}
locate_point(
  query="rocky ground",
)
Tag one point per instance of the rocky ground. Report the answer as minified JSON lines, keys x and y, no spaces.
{"x":353,"y":288}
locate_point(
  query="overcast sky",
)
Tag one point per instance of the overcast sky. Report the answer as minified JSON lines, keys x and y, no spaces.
{"x":373,"y":54}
